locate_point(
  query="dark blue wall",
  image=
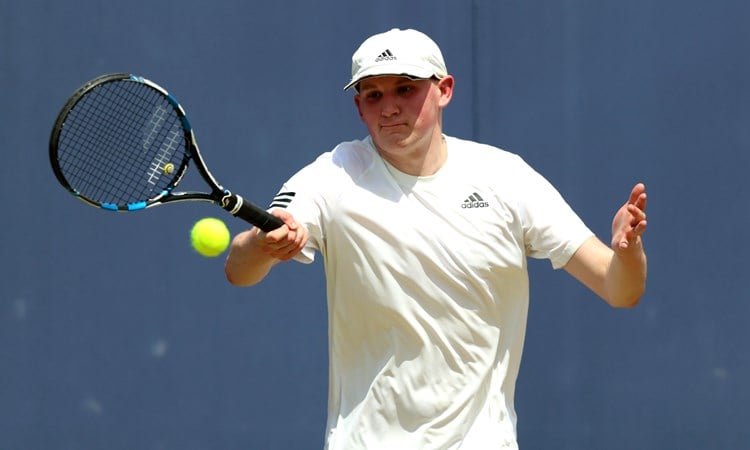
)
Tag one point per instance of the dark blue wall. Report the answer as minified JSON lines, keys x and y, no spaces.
{"x":115,"y":335}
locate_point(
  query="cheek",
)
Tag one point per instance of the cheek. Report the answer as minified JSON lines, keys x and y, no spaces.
{"x":424,"y":118}
{"x":367,"y":115}
{"x":360,"y":109}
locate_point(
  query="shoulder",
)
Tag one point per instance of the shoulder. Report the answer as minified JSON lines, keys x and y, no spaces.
{"x":349,"y":158}
{"x":506,"y":175}
{"x":486,"y":159}
{"x":333,"y":170}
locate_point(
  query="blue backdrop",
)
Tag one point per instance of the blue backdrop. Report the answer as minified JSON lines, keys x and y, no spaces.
{"x":114,"y":334}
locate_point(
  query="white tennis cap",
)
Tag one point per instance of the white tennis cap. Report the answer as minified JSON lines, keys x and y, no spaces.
{"x":408,"y":53}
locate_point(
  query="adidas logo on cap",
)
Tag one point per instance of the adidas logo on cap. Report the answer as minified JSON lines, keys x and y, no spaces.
{"x":385,"y":56}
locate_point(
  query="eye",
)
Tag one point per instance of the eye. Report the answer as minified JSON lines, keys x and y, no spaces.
{"x":372,"y":95}
{"x":405,"y":89}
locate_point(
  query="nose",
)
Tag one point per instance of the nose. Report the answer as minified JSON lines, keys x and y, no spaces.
{"x":389,"y":106}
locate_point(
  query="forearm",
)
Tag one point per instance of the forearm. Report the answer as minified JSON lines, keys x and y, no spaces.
{"x":619,"y":278}
{"x":246,"y":263}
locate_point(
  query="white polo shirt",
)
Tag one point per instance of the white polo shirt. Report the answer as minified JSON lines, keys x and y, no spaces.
{"x":427,"y":290}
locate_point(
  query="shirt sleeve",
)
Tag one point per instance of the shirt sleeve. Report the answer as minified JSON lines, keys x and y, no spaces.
{"x":298,"y":197}
{"x":552,"y":230}
{"x":305,"y":196}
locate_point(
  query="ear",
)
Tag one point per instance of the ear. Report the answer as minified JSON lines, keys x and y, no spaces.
{"x":445,"y":85}
{"x":357,"y":101}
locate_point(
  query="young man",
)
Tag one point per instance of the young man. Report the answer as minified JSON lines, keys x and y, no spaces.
{"x":425,"y":239}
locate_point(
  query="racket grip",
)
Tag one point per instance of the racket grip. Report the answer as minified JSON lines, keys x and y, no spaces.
{"x":238,"y":207}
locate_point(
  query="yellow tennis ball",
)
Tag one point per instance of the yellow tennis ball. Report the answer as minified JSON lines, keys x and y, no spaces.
{"x":210,"y":237}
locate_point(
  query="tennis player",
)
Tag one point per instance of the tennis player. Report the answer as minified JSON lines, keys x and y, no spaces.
{"x":425,"y":239}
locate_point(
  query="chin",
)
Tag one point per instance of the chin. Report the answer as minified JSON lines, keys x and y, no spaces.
{"x":394,"y":140}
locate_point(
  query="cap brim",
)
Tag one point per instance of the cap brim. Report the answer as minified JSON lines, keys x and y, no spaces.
{"x":396,"y":71}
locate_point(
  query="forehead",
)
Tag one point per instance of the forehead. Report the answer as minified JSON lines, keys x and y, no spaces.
{"x":385,"y":81}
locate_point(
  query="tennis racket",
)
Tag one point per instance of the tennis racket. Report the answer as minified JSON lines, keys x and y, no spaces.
{"x":123,"y":143}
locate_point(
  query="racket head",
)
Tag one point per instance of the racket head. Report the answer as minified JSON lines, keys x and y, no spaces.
{"x":121,"y":143}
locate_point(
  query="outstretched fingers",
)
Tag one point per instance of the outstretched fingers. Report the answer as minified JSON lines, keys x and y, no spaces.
{"x":630,"y":222}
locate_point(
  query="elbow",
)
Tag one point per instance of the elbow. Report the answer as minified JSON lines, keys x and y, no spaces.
{"x":238,"y":275}
{"x":236,"y":279}
{"x":231,"y":278}
{"x":627,"y":300}
{"x":626,"y":303}
{"x":241,"y":282}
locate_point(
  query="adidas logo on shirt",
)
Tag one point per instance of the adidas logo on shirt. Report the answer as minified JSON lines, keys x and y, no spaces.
{"x":385,"y":56}
{"x":474,"y":201}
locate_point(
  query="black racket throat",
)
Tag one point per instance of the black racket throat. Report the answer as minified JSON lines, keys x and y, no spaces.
{"x":123,"y":143}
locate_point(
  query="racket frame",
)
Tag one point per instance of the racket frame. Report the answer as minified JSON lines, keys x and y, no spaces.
{"x":220,"y":196}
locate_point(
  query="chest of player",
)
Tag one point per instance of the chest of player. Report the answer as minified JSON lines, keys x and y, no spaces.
{"x":458,"y":226}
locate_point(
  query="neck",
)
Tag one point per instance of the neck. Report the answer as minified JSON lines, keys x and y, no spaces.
{"x":423,"y":160}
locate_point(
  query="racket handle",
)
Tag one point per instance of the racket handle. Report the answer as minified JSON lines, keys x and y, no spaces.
{"x":248,"y":212}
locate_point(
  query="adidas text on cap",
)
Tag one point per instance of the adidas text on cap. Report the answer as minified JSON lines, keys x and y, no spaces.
{"x":408,"y":53}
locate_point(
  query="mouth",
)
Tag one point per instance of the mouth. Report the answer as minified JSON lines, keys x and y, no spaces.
{"x":392,"y":126}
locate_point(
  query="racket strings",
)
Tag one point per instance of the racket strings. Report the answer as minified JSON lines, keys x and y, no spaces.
{"x":122,"y":143}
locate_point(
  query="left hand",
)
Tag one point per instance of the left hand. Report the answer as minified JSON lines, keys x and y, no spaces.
{"x":630,"y":221}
